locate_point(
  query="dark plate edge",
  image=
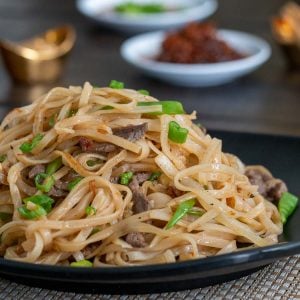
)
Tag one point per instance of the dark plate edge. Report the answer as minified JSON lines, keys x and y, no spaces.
{"x":257,"y":256}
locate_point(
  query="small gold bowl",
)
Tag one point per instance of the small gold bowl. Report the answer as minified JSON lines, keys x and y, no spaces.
{"x":41,"y":58}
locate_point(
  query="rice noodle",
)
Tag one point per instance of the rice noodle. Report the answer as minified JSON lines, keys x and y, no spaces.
{"x":232,"y":208}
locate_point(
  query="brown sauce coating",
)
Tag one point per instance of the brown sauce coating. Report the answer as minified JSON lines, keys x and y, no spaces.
{"x":196,"y":43}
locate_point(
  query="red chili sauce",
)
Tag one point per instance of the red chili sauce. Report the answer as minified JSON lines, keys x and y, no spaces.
{"x":196,"y":43}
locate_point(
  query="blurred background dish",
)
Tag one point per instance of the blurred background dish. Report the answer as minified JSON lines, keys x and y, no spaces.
{"x":286,"y":31}
{"x":134,"y":16}
{"x":143,"y":50}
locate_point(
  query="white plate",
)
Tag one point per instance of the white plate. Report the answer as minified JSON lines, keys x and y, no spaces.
{"x":102,"y":12}
{"x":140,"y":51}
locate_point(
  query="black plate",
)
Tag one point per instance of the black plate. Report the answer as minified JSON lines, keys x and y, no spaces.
{"x":280,"y":154}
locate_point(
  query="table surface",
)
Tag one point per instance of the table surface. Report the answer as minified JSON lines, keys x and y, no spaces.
{"x":267,"y":101}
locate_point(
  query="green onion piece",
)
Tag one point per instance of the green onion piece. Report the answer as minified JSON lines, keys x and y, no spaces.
{"x":74,"y":182}
{"x":125,"y":178}
{"x":3,"y":157}
{"x":154,"y":176}
{"x":4,"y":216}
{"x":92,"y":163}
{"x":139,"y":8}
{"x":44,"y":182}
{"x":43,"y":201}
{"x":95,"y":230}
{"x":90,"y":210}
{"x":29,"y":146}
{"x":182,"y":209}
{"x":32,"y":214}
{"x":54,"y":166}
{"x":72,"y":112}
{"x":52,"y":120}
{"x":144,"y":92}
{"x":82,"y":263}
{"x":114,"y":84}
{"x":168,"y":107}
{"x":176,"y":133}
{"x":107,"y":107}
{"x":286,"y":206}
{"x":195,"y":212}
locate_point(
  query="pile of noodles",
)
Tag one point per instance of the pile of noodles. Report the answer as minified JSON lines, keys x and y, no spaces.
{"x":234,"y":212}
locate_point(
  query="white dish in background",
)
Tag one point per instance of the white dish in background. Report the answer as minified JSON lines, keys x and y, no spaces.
{"x":102,"y":12}
{"x":140,"y":51}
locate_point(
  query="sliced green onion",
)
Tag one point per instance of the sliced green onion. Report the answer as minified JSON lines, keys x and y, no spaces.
{"x":82,"y":263}
{"x":92,"y":163}
{"x":154,"y":176}
{"x":139,"y":8}
{"x":182,"y":209}
{"x":168,"y":107}
{"x":74,"y":182}
{"x":107,"y":107}
{"x":72,"y":112}
{"x":176,"y":133}
{"x":90,"y":210}
{"x":52,"y":120}
{"x":114,"y":84}
{"x":29,"y":146}
{"x":195,"y":212}
{"x":95,"y":230}
{"x":40,"y":200}
{"x":32,"y":214}
{"x":144,"y":92}
{"x":126,"y":177}
{"x":4,"y":216}
{"x":3,"y":157}
{"x":286,"y":206}
{"x":44,"y":182}
{"x":54,"y":166}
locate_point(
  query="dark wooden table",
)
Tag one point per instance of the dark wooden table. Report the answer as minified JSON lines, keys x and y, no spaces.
{"x":266,"y":101}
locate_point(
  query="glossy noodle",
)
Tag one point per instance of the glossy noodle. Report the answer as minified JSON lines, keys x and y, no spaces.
{"x":119,"y":182}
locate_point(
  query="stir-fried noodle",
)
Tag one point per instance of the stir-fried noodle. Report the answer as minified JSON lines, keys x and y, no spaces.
{"x":96,"y":174}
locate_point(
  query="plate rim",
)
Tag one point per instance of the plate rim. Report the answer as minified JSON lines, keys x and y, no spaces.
{"x":153,"y":278}
{"x":269,"y":253}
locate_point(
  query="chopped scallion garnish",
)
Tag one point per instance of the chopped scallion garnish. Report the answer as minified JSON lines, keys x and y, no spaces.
{"x":286,"y":206}
{"x":32,"y":214}
{"x":90,"y":210}
{"x":29,"y":146}
{"x":74,"y":182}
{"x":107,"y":107}
{"x":44,"y":182}
{"x":54,"y":166}
{"x":168,"y":107}
{"x":126,"y":177}
{"x":52,"y":120}
{"x":144,"y":92}
{"x":93,"y":162}
{"x":176,"y":133}
{"x":82,"y":263}
{"x":195,"y":212}
{"x":182,"y":209}
{"x":114,"y":84}
{"x":154,"y":176}
{"x":42,"y":200}
{"x":139,"y":8}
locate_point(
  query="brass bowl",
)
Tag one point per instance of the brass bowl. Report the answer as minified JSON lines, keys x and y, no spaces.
{"x":40,"y":59}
